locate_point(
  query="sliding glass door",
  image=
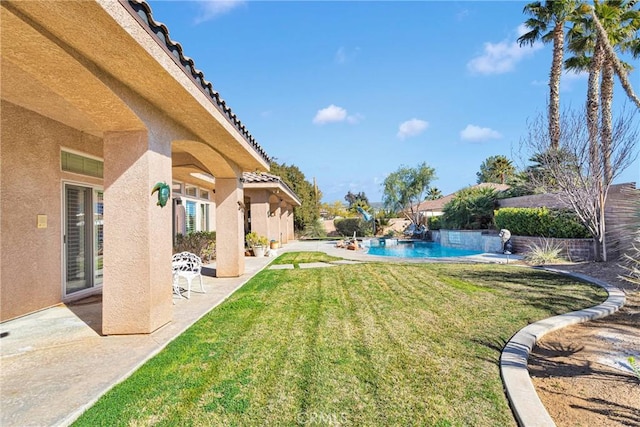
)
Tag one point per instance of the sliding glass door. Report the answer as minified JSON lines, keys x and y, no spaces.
{"x":83,"y":238}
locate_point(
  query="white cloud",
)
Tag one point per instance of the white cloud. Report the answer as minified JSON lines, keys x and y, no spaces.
{"x":502,"y":57}
{"x":212,"y":8}
{"x":333,"y":113}
{"x":477,"y":133}
{"x":412,"y":127}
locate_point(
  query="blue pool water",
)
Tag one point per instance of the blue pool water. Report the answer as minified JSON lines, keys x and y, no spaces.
{"x":420,"y":250}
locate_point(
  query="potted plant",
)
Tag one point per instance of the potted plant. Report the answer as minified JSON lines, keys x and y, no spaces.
{"x":257,"y":243}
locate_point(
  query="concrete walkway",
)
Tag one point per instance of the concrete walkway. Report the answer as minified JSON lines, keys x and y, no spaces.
{"x":55,"y":364}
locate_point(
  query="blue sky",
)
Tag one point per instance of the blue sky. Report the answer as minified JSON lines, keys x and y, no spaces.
{"x":350,"y":91}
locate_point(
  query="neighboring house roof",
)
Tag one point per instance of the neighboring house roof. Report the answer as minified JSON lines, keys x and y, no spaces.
{"x":160,"y":32}
{"x":438,"y":204}
{"x":267,"y":180}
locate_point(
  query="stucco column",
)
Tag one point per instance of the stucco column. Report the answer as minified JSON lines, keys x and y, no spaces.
{"x":284,"y":219}
{"x":229,"y":227}
{"x":136,"y":296}
{"x":260,"y":212}
{"x":274,"y":221}
{"x":290,"y":226}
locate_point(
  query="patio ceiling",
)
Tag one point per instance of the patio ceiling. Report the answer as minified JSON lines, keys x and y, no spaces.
{"x":60,"y":59}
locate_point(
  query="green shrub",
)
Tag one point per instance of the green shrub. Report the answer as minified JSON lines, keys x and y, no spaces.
{"x":255,"y":239}
{"x":545,"y":253}
{"x":347,"y":226}
{"x":201,"y":243}
{"x":470,"y":209}
{"x":542,"y":222}
{"x":434,"y":222}
{"x":314,"y":230}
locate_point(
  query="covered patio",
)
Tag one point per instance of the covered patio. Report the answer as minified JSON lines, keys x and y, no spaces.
{"x":98,"y":106}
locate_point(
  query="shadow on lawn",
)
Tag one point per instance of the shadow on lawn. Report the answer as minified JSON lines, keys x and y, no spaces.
{"x":537,"y":289}
{"x":495,"y":345}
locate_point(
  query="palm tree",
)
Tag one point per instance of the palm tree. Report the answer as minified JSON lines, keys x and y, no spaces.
{"x":601,"y":30}
{"x":434,"y":193}
{"x":621,"y":33}
{"x":618,"y":27}
{"x":547,"y":24}
{"x":496,"y":169}
{"x":582,"y":40}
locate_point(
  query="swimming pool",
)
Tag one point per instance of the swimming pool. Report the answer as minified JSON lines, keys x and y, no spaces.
{"x":420,"y":250}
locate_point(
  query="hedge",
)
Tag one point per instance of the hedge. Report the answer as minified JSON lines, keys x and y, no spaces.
{"x":201,"y":243}
{"x":347,"y":226}
{"x":540,"y":222}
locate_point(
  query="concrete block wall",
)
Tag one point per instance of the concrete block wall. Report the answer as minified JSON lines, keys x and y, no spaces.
{"x":572,"y":249}
{"x":622,"y":211}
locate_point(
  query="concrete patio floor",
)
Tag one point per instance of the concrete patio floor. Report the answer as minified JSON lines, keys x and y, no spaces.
{"x":55,"y":364}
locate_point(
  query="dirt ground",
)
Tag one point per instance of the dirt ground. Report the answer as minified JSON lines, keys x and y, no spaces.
{"x":581,"y":373}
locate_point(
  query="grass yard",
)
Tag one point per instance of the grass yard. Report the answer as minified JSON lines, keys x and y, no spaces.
{"x":374,"y":344}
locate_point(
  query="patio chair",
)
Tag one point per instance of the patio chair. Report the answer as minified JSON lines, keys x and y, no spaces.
{"x":189,"y":266}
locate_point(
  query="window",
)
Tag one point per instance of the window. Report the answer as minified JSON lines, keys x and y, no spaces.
{"x":204,"y":194}
{"x":176,"y":187}
{"x":190,"y":219}
{"x":190,"y":190}
{"x":79,"y":164}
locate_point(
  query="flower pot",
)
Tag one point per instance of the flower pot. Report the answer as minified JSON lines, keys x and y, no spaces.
{"x":274,"y":244}
{"x":259,"y":251}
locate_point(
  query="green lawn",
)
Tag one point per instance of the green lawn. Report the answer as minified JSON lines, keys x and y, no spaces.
{"x":373,"y":344}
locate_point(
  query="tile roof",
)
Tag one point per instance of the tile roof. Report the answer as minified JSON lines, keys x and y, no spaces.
{"x":267,"y":178}
{"x":161,"y":33}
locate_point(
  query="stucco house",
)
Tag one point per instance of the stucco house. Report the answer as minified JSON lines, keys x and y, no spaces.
{"x":98,"y":106}
{"x":270,"y":203}
{"x":429,"y":208}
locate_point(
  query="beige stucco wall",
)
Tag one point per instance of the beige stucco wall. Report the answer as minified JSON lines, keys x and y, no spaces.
{"x":229,"y":227}
{"x":259,"y":205}
{"x":31,"y":183}
{"x":138,"y":244}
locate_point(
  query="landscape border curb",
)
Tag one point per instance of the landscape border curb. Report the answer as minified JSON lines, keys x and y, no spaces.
{"x":525,"y":402}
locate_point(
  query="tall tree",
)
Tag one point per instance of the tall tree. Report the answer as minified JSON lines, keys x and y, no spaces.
{"x":405,"y":188}
{"x":628,"y":23}
{"x":576,"y":180}
{"x":616,"y":24}
{"x":547,"y":24}
{"x":307,"y":214}
{"x":434,"y":193}
{"x":357,"y":200}
{"x":496,"y":169}
{"x":598,"y":33}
